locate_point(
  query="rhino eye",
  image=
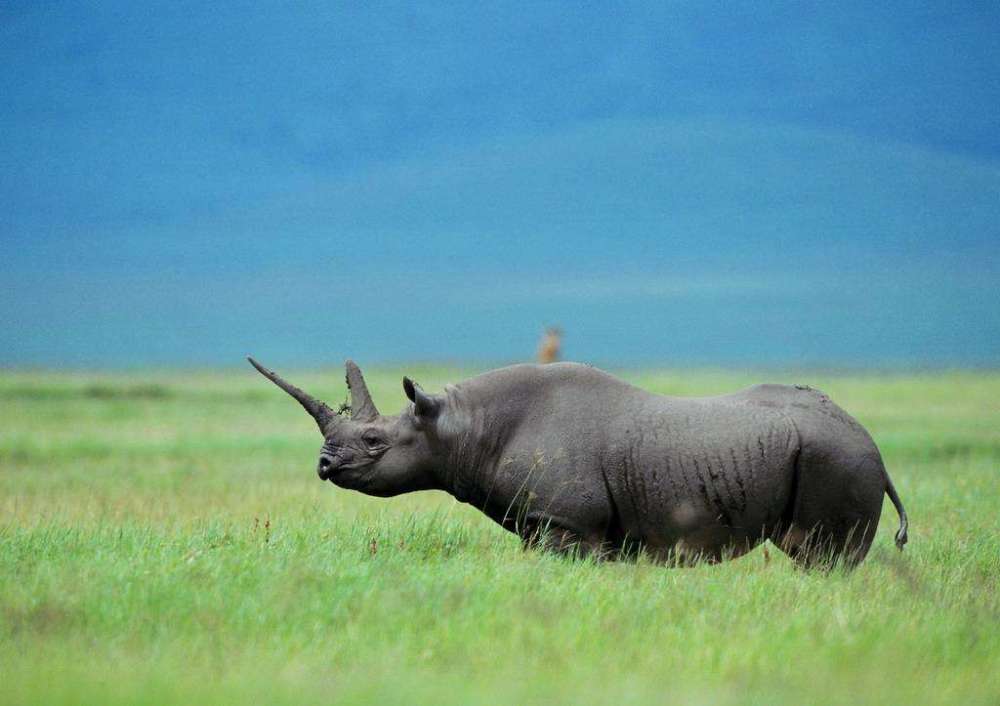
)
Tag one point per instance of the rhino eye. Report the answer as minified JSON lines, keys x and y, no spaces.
{"x":372,"y":441}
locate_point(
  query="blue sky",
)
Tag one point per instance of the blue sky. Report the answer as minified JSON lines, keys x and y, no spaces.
{"x":714,"y":183}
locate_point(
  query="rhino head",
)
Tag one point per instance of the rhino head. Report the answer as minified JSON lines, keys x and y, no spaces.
{"x":370,"y":452}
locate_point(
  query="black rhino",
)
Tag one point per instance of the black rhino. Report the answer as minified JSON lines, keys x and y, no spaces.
{"x":575,"y":458}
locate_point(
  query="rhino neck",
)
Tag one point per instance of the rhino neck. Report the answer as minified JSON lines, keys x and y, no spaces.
{"x":487,"y":412}
{"x":474,"y":434}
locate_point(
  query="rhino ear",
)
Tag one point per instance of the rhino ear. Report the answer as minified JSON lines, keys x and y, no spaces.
{"x":424,"y":405}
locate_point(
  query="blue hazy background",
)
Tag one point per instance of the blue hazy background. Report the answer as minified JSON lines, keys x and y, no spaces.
{"x":673,"y":183}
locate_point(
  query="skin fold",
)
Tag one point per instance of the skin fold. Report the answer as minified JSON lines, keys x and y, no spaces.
{"x":576,"y":460}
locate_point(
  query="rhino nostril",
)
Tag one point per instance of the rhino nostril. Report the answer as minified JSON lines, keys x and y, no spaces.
{"x":325,"y":464}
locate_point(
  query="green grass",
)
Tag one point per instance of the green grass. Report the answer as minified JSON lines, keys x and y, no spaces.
{"x":164,"y":539}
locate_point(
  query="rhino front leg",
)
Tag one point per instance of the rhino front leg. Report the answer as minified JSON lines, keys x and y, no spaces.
{"x":541,"y":530}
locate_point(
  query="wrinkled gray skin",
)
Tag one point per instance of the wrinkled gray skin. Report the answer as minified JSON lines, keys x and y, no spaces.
{"x":582,"y":461}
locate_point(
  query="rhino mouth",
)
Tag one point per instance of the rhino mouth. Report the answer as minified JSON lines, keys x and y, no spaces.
{"x":351,"y":479}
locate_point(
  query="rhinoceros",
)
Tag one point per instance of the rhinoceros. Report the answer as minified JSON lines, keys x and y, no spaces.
{"x":570,"y":457}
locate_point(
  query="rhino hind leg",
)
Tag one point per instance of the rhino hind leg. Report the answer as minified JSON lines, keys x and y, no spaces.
{"x":835,"y":507}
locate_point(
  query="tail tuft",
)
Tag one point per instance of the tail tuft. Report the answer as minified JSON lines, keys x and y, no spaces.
{"x":901,"y":536}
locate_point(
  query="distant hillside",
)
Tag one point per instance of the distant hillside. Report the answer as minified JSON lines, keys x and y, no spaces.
{"x":649,"y":241}
{"x":737,"y":183}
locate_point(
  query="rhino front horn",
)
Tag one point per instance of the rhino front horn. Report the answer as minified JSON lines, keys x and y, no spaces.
{"x":317,"y":409}
{"x":362,"y":407}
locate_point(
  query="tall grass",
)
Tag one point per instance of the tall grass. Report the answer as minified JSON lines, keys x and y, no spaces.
{"x":164,"y":539}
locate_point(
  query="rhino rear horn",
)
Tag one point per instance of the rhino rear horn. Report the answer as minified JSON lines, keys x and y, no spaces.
{"x":317,"y":409}
{"x":362,"y":407}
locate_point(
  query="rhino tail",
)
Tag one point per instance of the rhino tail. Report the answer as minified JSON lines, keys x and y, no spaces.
{"x":890,"y":490}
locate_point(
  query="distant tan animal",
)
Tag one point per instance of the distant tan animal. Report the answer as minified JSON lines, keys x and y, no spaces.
{"x":549,"y":348}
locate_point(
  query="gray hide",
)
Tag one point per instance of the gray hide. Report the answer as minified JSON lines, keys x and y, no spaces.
{"x":573,"y":457}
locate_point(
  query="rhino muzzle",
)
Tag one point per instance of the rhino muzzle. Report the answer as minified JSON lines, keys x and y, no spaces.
{"x":326,"y":467}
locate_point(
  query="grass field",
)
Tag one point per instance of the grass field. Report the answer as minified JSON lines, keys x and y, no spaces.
{"x":164,"y":539}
